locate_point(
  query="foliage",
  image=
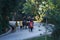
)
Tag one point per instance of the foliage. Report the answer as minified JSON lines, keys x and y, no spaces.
{"x":40,"y":38}
{"x":54,"y":17}
{"x":28,"y":8}
{"x":6,"y":7}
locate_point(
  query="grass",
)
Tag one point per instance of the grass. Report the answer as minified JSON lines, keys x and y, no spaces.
{"x":40,"y":38}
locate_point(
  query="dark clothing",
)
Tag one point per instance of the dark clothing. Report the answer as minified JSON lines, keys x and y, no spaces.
{"x":31,"y":29}
{"x":24,"y":22}
{"x":21,"y":27}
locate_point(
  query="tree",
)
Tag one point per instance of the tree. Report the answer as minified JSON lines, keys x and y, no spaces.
{"x":6,"y":7}
{"x":55,"y":17}
{"x":31,"y":7}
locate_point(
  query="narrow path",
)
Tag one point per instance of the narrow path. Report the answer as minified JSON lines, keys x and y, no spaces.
{"x":24,"y":34}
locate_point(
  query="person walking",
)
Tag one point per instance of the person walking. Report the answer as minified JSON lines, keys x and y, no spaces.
{"x":21,"y":25}
{"x":24,"y":22}
{"x":31,"y":26}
